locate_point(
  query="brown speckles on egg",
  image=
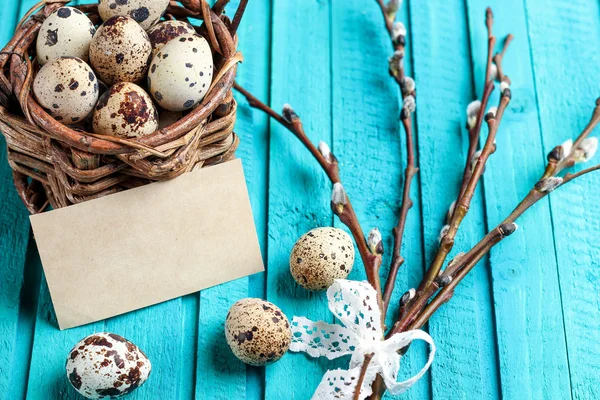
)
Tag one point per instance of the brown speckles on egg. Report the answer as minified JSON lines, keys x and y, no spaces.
{"x":183,"y":63}
{"x":315,"y":260}
{"x":64,"y":33}
{"x":106,"y":364}
{"x":257,"y":331}
{"x":55,"y":88}
{"x":125,"y":110}
{"x":144,"y":12}
{"x":161,"y":33}
{"x":120,"y":51}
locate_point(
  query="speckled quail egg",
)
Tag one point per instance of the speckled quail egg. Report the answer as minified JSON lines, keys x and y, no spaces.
{"x":321,"y":256}
{"x":120,"y":51}
{"x":257,"y":331}
{"x":144,"y":12}
{"x":67,"y":88}
{"x":66,"y":32}
{"x":105,"y":365}
{"x":181,"y":72}
{"x":125,"y":110}
{"x":161,"y":33}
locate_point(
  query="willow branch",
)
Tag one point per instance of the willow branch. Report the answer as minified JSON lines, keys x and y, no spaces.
{"x":361,"y":377}
{"x":342,"y":207}
{"x":406,"y":86}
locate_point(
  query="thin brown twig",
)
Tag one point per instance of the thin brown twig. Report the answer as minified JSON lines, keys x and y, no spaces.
{"x":429,"y":288}
{"x":361,"y":377}
{"x":399,"y":45}
{"x":345,"y":212}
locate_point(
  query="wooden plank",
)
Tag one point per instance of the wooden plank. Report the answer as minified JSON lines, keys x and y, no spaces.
{"x":564,"y":40}
{"x":299,"y":191}
{"x":47,"y":378}
{"x":370,"y":145}
{"x":219,"y":374}
{"x":464,"y":328}
{"x":15,"y":315}
{"x":526,"y":292}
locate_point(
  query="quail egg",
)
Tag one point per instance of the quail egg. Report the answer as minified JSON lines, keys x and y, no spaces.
{"x":144,"y":12}
{"x":120,"y":51}
{"x":106,"y":365}
{"x":163,"y":32}
{"x":66,"y":32}
{"x":125,"y":110}
{"x":257,"y":331}
{"x":321,"y":256}
{"x":181,"y":72}
{"x":67,"y":88}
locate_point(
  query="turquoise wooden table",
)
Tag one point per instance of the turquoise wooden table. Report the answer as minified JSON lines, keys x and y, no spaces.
{"x":524,"y":325}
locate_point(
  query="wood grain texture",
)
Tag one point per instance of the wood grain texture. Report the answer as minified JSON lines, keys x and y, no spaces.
{"x":298,"y":189}
{"x":370,"y":145}
{"x":564,"y":40}
{"x":219,"y":373}
{"x":465,"y":365}
{"x":14,"y":236}
{"x":526,"y":292}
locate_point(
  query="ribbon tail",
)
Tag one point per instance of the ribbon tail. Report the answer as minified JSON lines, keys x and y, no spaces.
{"x":399,"y":341}
{"x":341,"y":384}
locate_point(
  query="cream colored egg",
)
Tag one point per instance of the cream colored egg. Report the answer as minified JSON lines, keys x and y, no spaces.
{"x":125,"y":110}
{"x":144,"y":12}
{"x":161,"y":33}
{"x":66,"y":32}
{"x":181,"y":72}
{"x":67,"y":88}
{"x":120,"y":51}
{"x":321,"y":256}
{"x":106,"y":365}
{"x":257,"y":331}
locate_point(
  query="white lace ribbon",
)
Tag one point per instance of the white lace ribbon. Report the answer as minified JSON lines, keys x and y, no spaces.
{"x":355,"y":305}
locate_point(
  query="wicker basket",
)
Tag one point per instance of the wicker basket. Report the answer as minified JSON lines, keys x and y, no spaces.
{"x":54,"y":164}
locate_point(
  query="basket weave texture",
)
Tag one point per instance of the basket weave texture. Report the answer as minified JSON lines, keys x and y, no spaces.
{"x":59,"y":165}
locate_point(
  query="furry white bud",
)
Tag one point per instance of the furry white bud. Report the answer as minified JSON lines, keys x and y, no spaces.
{"x":474,"y":159}
{"x":339,"y":198}
{"x":472,"y":111}
{"x":407,"y":85}
{"x":395,"y":62}
{"x":409,"y":104}
{"x":289,"y":114}
{"x":587,"y":149}
{"x":493,"y":72}
{"x":567,"y":147}
{"x":398,"y":30}
{"x":443,"y":233}
{"x":407,"y":296}
{"x":549,"y":184}
{"x":325,"y":151}
{"x":375,"y":241}
{"x":503,"y":86}
{"x":493,"y":110}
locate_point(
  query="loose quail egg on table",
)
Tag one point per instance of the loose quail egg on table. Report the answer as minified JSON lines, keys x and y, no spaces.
{"x":120,"y":51}
{"x":181,"y":72}
{"x":106,"y":365}
{"x":321,"y":256}
{"x":257,"y":331}
{"x":66,"y":32}
{"x":67,"y":88}
{"x":161,"y":33}
{"x":144,"y":12}
{"x":125,"y":110}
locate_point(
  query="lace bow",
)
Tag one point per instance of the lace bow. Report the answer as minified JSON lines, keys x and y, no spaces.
{"x":355,"y":305}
